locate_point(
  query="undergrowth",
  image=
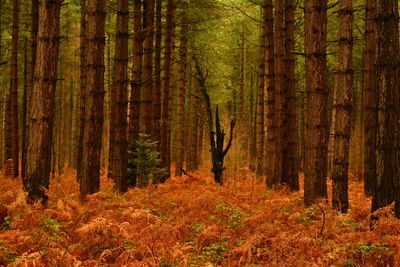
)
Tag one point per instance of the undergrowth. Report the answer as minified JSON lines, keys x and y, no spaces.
{"x":190,"y":221}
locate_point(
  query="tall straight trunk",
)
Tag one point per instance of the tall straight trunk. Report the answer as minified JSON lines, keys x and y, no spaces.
{"x":12,"y":147}
{"x":119,"y":159}
{"x":243,"y":100}
{"x":181,"y":91}
{"x":168,"y":70}
{"x":157,"y":76}
{"x":146,"y":114}
{"x":271,"y":110}
{"x":25,"y":107}
{"x":92,"y":137}
{"x":260,"y":94}
{"x":82,"y":83}
{"x":370,"y":93}
{"x":280,"y":89}
{"x":41,"y":109}
{"x":290,"y":149}
{"x":316,"y":130}
{"x":387,"y":84}
{"x":200,"y":143}
{"x":343,"y":106}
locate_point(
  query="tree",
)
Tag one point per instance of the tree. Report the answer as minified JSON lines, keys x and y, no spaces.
{"x":316,"y":134}
{"x":387,"y":84}
{"x":168,"y":73}
{"x":119,"y":92}
{"x":369,"y":88}
{"x":82,"y":84}
{"x":290,"y":148}
{"x":12,"y":147}
{"x":343,"y":106}
{"x":181,"y":90}
{"x":41,"y":110}
{"x":92,"y":138}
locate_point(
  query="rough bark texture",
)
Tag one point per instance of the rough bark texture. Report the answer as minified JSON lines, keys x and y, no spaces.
{"x":157,"y":76}
{"x":270,"y":145}
{"x":387,"y":65}
{"x":42,"y":102}
{"x":280,"y":73}
{"x":168,"y":72}
{"x":316,"y":130}
{"x":92,"y":138}
{"x":370,"y":93}
{"x":260,"y":135}
{"x":343,"y":106}
{"x":146,"y":113}
{"x":12,"y":147}
{"x":119,"y":137}
{"x":82,"y":83}
{"x":290,"y":167}
{"x":181,"y":91}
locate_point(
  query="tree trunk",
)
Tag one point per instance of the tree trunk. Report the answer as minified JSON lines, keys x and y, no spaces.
{"x":271,"y":110}
{"x":41,"y":110}
{"x":12,"y":147}
{"x":343,"y":106}
{"x":157,"y":76}
{"x":370,"y":92}
{"x":168,"y":70}
{"x":83,"y":92}
{"x":387,"y":85}
{"x":290,"y":158}
{"x":181,"y":91}
{"x":260,"y":95}
{"x":119,"y":90}
{"x":316,"y":133}
{"x":92,"y":138}
{"x":146,"y":114}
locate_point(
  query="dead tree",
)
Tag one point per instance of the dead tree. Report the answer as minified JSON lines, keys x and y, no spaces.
{"x":217,"y":137}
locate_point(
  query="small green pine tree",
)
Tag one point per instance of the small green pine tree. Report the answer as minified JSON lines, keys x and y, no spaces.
{"x":144,"y":161}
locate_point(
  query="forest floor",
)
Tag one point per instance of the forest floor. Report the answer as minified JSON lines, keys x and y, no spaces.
{"x":191,"y":221}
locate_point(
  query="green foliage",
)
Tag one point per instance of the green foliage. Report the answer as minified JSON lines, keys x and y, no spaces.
{"x":7,"y":255}
{"x":144,"y":161}
{"x":51,"y":226}
{"x":7,"y":223}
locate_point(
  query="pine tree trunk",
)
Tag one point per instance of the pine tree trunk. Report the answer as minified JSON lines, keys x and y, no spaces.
{"x":370,"y":93}
{"x":24,"y":107}
{"x":316,"y":130}
{"x":181,"y":91}
{"x":271,"y":95}
{"x":168,"y":71}
{"x":42,"y":102}
{"x":157,"y":76}
{"x":343,"y":106}
{"x":92,"y":138}
{"x":12,"y":147}
{"x":146,"y":114}
{"x":260,"y":95}
{"x":119,"y":158}
{"x":82,"y":83}
{"x":290,"y":167}
{"x":388,"y":83}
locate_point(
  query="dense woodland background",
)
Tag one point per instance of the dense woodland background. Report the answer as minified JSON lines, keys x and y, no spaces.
{"x":285,"y":103}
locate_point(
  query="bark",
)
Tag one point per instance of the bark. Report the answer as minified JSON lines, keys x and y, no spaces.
{"x":167,"y":89}
{"x":92,"y":138}
{"x":343,"y":107}
{"x":181,"y":91}
{"x":12,"y":147}
{"x":271,"y":110}
{"x":260,"y":95}
{"x":146,"y":114}
{"x":157,"y":76}
{"x":25,"y":107}
{"x":290,"y":158}
{"x":82,"y":83}
{"x":370,"y":93}
{"x":387,"y":84}
{"x":41,"y":110}
{"x":119,"y":158}
{"x":316,"y":133}
{"x":279,"y":87}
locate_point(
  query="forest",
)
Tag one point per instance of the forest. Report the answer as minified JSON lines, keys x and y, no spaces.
{"x":199,"y":133}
